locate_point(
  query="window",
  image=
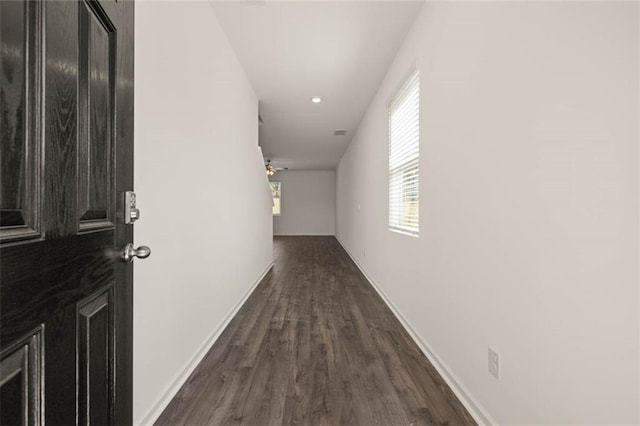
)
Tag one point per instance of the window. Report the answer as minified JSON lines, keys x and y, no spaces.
{"x":404,"y":157}
{"x":275,"y":192}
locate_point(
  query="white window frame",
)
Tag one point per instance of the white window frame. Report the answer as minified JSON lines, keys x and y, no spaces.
{"x":279,"y":197}
{"x":404,"y":157}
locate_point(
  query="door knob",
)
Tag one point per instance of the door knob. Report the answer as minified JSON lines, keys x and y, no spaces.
{"x":129,"y":252}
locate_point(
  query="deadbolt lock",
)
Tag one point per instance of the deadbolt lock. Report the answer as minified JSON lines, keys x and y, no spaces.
{"x":131,"y":213}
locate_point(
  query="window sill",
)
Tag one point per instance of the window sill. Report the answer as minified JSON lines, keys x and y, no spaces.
{"x":403,"y":232}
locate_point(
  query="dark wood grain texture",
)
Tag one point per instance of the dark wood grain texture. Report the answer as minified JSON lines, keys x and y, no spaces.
{"x":61,"y":119}
{"x":21,"y":379}
{"x":41,"y":279}
{"x":314,"y":345}
{"x":100,"y":116}
{"x":42,"y":283}
{"x":20,"y":91}
{"x":13,"y":90}
{"x":57,"y":277}
{"x":95,"y":117}
{"x":11,"y":401}
{"x":94,"y":343}
{"x":124,"y":153}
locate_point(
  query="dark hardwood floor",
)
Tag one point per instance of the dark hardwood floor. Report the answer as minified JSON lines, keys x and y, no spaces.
{"x":314,"y":345}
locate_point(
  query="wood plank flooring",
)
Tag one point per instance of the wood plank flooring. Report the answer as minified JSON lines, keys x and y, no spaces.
{"x":314,"y":345}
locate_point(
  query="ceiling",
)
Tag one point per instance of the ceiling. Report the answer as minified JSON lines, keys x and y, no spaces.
{"x":293,"y":51}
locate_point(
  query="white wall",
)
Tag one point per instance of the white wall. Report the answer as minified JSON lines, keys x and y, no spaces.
{"x":202,"y":191}
{"x":308,"y":203}
{"x":529,"y":204}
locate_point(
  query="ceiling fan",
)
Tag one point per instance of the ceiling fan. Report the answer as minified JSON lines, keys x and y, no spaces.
{"x":271,"y":169}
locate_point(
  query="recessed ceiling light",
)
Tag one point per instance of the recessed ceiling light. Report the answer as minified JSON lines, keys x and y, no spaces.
{"x":316,"y":100}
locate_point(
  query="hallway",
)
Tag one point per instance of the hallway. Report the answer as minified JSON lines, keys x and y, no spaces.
{"x":314,"y":344}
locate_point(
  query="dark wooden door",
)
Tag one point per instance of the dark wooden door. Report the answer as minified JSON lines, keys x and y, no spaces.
{"x":66,"y":158}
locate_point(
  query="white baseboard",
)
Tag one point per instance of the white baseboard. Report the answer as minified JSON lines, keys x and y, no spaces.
{"x":171,"y":391}
{"x":304,"y":234}
{"x":476,"y":410}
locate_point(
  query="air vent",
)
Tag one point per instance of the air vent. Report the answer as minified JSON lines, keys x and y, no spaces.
{"x":339,"y":132}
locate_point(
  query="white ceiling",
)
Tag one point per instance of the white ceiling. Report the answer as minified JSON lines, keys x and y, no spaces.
{"x":293,"y":51}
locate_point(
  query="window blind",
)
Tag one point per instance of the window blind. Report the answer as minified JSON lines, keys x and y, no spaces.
{"x":404,"y":156}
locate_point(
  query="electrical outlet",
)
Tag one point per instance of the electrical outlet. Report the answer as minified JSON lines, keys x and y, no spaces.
{"x":494,"y":363}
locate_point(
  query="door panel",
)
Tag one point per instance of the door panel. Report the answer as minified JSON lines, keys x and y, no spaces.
{"x":14,"y":410}
{"x":21,"y":378}
{"x":14,"y":152}
{"x":66,"y":98}
{"x":95,"y":154}
{"x":61,"y":119}
{"x":94,"y":357}
{"x":19,"y":108}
